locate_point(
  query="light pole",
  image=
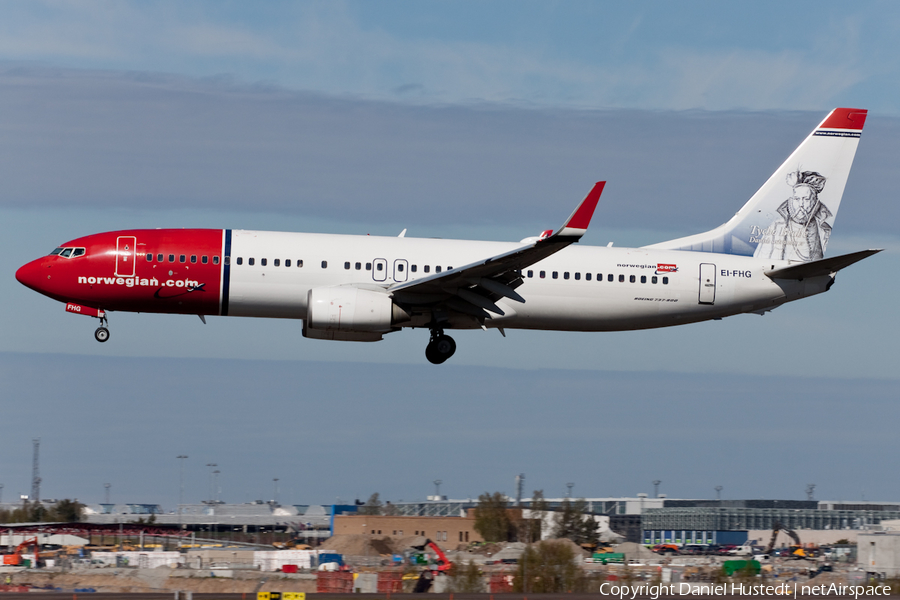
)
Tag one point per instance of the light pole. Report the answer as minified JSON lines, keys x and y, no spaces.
{"x":107,"y":486}
{"x":216,"y":483}
{"x":275,"y":495}
{"x":718,"y":489}
{"x":211,"y":467}
{"x":656,"y":483}
{"x":181,"y":458}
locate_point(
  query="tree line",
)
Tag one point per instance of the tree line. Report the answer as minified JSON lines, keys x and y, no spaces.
{"x":62,"y":511}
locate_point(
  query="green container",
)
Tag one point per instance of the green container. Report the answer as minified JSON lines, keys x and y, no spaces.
{"x":609,"y":557}
{"x":733,"y":566}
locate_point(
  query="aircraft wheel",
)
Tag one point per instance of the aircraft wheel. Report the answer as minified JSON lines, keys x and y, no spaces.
{"x":102,"y":334}
{"x":432,"y":355}
{"x":445,"y":346}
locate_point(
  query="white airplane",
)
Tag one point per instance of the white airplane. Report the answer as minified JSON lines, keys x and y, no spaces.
{"x":359,"y":288}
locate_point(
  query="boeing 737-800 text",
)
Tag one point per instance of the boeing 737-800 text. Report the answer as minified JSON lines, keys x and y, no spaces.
{"x":359,"y":288}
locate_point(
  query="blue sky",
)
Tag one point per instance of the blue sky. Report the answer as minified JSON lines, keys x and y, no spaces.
{"x":464,"y":119}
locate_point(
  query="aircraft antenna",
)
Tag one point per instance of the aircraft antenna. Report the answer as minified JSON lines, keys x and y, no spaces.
{"x":520,"y":483}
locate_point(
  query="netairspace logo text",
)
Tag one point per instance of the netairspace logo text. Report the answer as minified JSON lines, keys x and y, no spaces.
{"x":741,"y":589}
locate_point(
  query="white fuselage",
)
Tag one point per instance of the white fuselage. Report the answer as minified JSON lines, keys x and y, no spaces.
{"x":649,"y":288}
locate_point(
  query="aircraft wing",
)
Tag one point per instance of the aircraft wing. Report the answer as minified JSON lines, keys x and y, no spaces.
{"x":475,"y":287}
{"x":824,"y":266}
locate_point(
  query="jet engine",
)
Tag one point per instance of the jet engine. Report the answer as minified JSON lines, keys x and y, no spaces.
{"x":349,"y":308}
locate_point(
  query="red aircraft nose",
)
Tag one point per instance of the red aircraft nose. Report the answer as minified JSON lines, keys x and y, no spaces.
{"x":30,"y":275}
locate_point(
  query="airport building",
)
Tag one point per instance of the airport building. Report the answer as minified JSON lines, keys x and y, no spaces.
{"x":640,"y":519}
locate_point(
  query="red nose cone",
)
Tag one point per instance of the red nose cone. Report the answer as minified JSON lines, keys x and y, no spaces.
{"x":30,"y":275}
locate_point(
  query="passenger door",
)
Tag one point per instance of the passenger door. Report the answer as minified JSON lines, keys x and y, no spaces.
{"x":379,"y":269}
{"x":707,"y":283}
{"x":125,"y":249}
{"x":401,"y":267}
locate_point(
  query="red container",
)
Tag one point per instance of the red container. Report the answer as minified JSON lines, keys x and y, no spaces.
{"x":500,"y":583}
{"x":337,"y":582}
{"x":289,"y":568}
{"x":390,"y":582}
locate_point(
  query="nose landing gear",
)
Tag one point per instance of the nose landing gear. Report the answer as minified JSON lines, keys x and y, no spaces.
{"x":102,"y":333}
{"x":440,"y":347}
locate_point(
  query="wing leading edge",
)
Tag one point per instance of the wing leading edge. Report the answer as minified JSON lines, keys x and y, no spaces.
{"x":473,"y":289}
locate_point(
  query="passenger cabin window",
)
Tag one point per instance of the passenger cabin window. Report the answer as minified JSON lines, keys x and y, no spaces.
{"x":240,"y":260}
{"x":609,"y":277}
{"x":368,"y":266}
{"x":193,"y":259}
{"x":324,"y":264}
{"x":631,"y":278}
{"x":276,"y":262}
{"x":577,"y":276}
{"x":287,"y":262}
{"x":587,"y":277}
{"x":555,"y":275}
{"x":643,"y":279}
{"x":543,"y":274}
{"x":413,"y":268}
{"x":347,"y":266}
{"x":263,"y":262}
{"x":653,"y":279}
{"x":379,"y":267}
{"x":358,"y":266}
{"x":437,"y":269}
{"x":621,"y":279}
{"x":665,"y":281}
{"x":204,"y":259}
{"x":182,"y":258}
{"x":530,"y":274}
{"x":171,"y":258}
{"x":427,"y":268}
{"x":400,"y":267}
{"x":251,"y":261}
{"x":566,"y":275}
{"x":299,"y":262}
{"x":149,"y":258}
{"x":159,"y":258}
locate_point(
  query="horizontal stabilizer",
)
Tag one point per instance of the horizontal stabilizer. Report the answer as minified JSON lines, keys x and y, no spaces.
{"x":825,"y":266}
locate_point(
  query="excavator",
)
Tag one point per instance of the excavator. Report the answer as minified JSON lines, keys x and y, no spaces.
{"x":796,"y":549}
{"x":428,"y":575}
{"x":16,"y":557}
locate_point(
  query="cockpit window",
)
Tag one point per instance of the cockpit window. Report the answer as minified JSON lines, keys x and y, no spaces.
{"x":68,"y":252}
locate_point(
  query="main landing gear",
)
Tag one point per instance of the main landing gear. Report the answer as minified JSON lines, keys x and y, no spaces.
{"x":102,"y":333}
{"x":440,"y":347}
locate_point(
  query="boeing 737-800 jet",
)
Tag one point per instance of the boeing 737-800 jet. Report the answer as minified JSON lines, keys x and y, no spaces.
{"x":359,"y":288}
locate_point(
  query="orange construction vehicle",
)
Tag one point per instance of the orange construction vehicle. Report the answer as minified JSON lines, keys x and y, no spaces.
{"x":16,"y":557}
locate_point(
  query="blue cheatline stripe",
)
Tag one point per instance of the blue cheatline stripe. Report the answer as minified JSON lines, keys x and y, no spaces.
{"x":226,"y":272}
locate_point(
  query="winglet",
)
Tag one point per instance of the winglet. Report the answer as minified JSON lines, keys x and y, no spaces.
{"x":576,"y":225}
